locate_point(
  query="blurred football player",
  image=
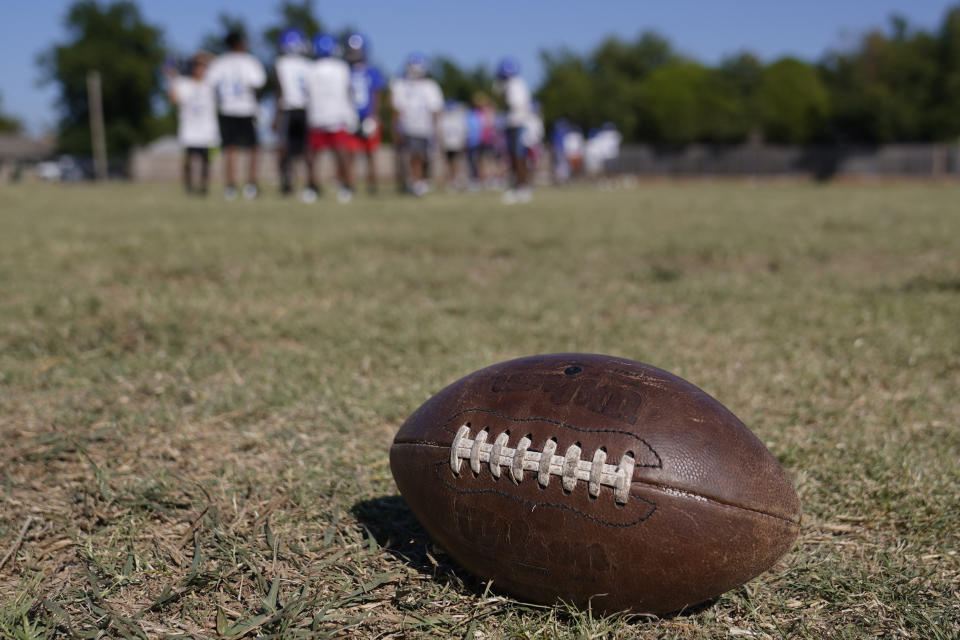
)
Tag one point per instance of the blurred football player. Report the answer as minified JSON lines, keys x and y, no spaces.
{"x":516,"y":97}
{"x":453,"y":130}
{"x":367,"y":84}
{"x":237,"y":76}
{"x":533,"y":134}
{"x":561,"y":166}
{"x":602,"y":146}
{"x":290,"y":122}
{"x":197,"y":129}
{"x":481,"y":137}
{"x":331,"y":114}
{"x":417,"y":103}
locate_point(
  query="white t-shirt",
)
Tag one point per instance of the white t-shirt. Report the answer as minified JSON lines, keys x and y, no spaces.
{"x":196,"y":113}
{"x":416,"y":101}
{"x":453,"y":128}
{"x":573,"y":144}
{"x":533,"y":132}
{"x":517,"y":96}
{"x":329,"y":99}
{"x":236,"y":75}
{"x":292,"y":70}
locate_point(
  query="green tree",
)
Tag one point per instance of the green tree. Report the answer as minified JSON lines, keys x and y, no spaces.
{"x":215,"y":41}
{"x":794,"y":102}
{"x":115,"y":40}
{"x":677,"y":103}
{"x":8,"y":123}
{"x":458,"y":83}
{"x":946,"y":100}
{"x":613,"y":70}
{"x":885,"y":90}
{"x":568,"y":89}
{"x":300,"y":15}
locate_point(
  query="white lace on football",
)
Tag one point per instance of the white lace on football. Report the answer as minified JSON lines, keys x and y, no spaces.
{"x":569,"y":466}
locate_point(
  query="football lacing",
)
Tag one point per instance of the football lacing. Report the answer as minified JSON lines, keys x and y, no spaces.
{"x":569,"y":466}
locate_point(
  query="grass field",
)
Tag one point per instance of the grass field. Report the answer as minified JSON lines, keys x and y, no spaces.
{"x":197,"y":398}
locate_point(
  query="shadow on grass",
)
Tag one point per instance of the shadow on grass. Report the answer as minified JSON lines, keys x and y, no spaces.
{"x":398,"y":532}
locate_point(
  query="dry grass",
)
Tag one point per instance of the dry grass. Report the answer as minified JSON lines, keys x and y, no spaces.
{"x":197,"y":399}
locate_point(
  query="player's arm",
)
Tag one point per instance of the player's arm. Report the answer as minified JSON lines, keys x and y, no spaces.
{"x":276,"y":110}
{"x":172,"y":78}
{"x":395,"y":117}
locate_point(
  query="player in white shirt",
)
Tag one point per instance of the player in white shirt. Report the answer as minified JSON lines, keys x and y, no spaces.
{"x":601,"y":146}
{"x":453,"y":131}
{"x":197,"y":129}
{"x":417,"y":102}
{"x":331,"y":114}
{"x":236,"y":75}
{"x":290,"y":121}
{"x":516,"y":97}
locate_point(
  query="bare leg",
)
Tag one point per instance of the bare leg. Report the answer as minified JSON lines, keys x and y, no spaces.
{"x":252,"y":170}
{"x":230,"y":176}
{"x":205,"y":172}
{"x":344,"y":167}
{"x":371,"y":173}
{"x":187,"y":174}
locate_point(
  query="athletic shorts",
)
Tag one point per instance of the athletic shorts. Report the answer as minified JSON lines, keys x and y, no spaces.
{"x":416,"y":146}
{"x":321,"y":139}
{"x":198,"y":152}
{"x":238,"y":131}
{"x":514,"y":140}
{"x":292,"y":130}
{"x":366,"y":144}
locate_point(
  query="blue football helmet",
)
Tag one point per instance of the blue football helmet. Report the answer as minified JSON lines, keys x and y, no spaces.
{"x":416,"y":65}
{"x":357,"y":47}
{"x":508,"y":68}
{"x":324,"y":45}
{"x":293,"y":41}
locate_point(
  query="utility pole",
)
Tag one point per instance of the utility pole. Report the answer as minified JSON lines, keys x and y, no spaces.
{"x":97,"y":134}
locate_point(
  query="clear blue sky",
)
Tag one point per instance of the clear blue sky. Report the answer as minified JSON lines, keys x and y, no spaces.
{"x":482,"y":31}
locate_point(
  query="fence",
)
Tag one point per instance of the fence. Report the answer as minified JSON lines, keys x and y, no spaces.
{"x":823,"y":163}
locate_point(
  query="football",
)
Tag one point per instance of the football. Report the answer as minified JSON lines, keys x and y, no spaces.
{"x":596,"y":481}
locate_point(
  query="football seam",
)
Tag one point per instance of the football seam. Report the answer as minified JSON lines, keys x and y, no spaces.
{"x":558,"y":423}
{"x":665,"y":488}
{"x":554,"y":505}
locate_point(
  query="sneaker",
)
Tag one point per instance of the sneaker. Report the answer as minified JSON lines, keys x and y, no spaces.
{"x":250,"y":191}
{"x":510,"y":197}
{"x":308,"y":196}
{"x":230,"y":193}
{"x":344,"y":196}
{"x":524,"y":194}
{"x":420,"y":188}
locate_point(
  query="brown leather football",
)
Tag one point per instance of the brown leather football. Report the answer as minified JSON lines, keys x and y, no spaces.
{"x":594,"y":480}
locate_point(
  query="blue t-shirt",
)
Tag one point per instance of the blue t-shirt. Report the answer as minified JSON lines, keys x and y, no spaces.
{"x":366,"y":82}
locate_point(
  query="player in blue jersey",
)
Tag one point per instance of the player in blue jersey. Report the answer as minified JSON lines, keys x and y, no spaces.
{"x":367,"y":84}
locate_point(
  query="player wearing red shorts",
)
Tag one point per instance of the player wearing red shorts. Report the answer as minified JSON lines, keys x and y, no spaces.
{"x":330,"y":112}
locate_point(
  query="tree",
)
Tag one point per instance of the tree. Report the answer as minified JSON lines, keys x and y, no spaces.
{"x":128,"y":52}
{"x":673,"y":101}
{"x":885,"y":90}
{"x":8,"y":123}
{"x":300,"y":15}
{"x":946,"y":112}
{"x":567,"y":89}
{"x":215,"y":42}
{"x":460,"y":84}
{"x":614,"y":70}
{"x":794,"y":103}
